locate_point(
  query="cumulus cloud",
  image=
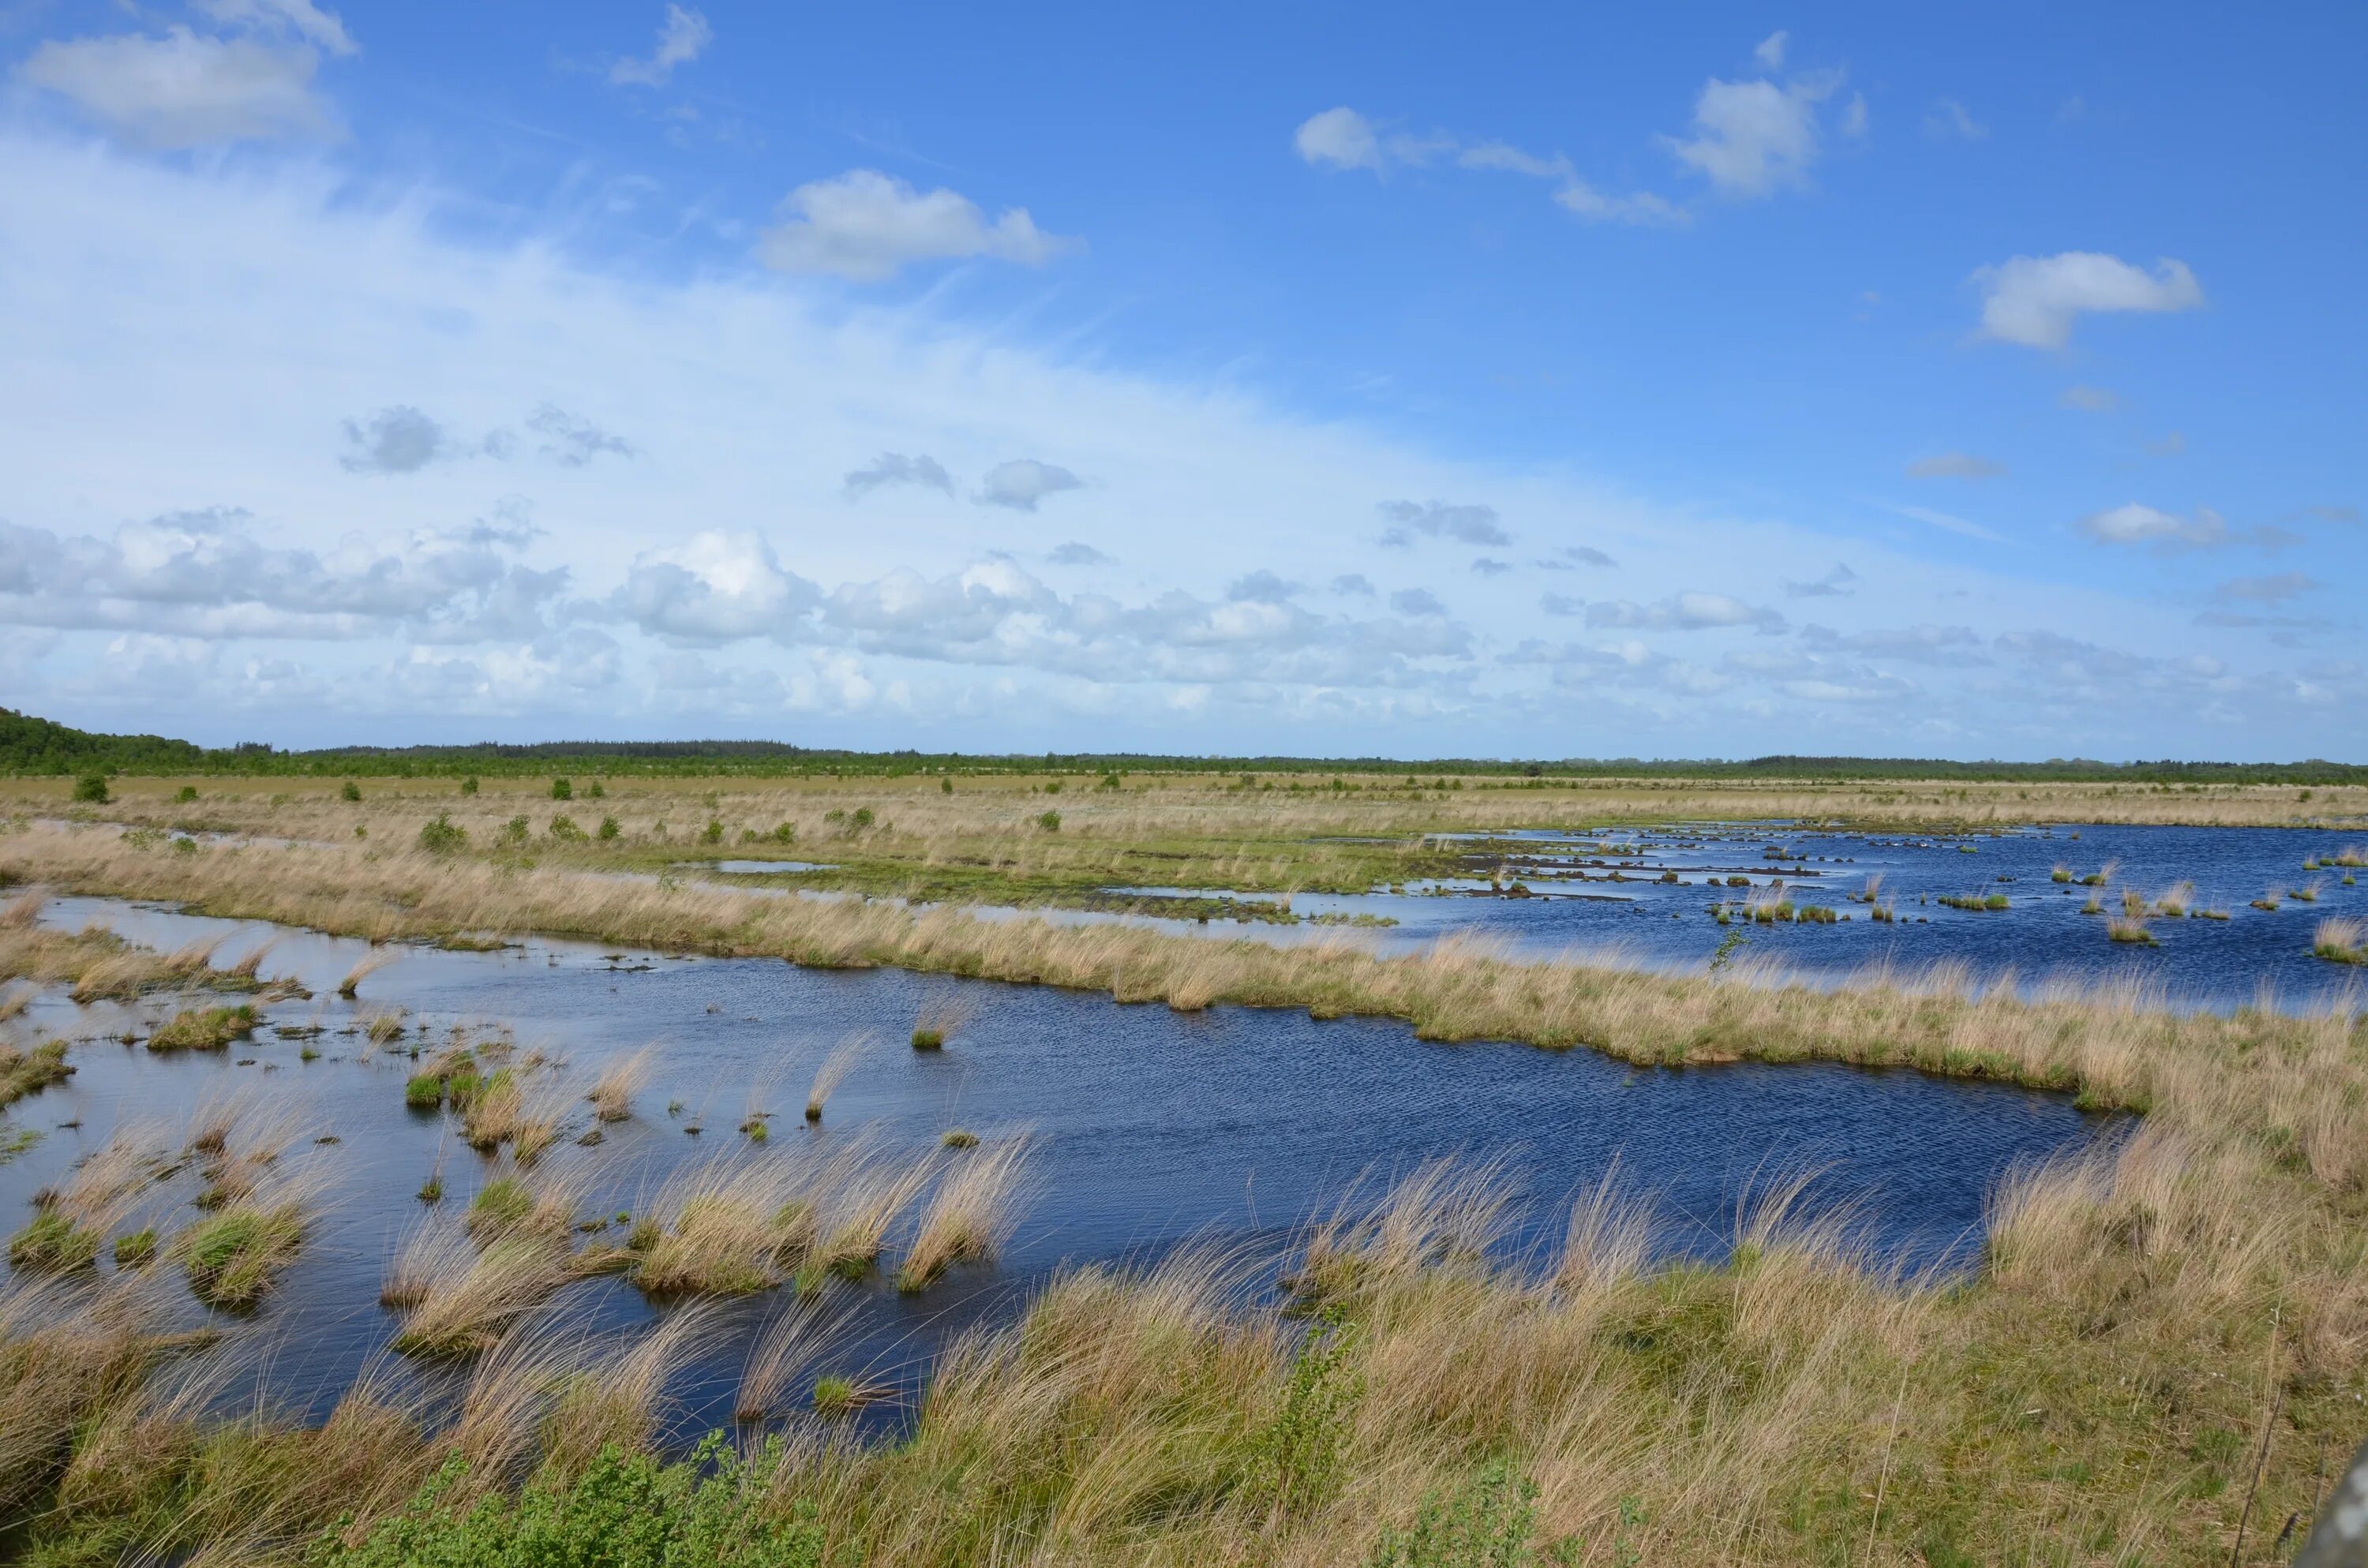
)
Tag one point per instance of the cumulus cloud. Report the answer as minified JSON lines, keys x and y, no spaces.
{"x":1439,"y":519}
{"x":717,"y":586}
{"x":1338,"y":138}
{"x":2134,"y":524}
{"x":1353,"y":583}
{"x":1416,"y":601}
{"x":1023,"y":481}
{"x":895,"y":468}
{"x":1835,"y":584}
{"x":397,"y":439}
{"x":570,"y":440}
{"x":1770,"y":50}
{"x":185,"y":89}
{"x":1560,"y":604}
{"x":1076,"y":553}
{"x":1487,"y":567}
{"x":1955,"y":465}
{"x":299,"y":18}
{"x":681,"y":36}
{"x":1683,"y":613}
{"x":2034,"y":299}
{"x":204,"y":574}
{"x":1752,"y":138}
{"x":866,"y":226}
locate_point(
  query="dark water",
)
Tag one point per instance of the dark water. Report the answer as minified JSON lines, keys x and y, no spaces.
{"x":1148,"y":1128}
{"x":2043,"y":935}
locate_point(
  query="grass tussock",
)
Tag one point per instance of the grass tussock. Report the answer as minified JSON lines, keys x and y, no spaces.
{"x":833,"y":1072}
{"x":612,"y":1093}
{"x":2341,"y":940}
{"x":968,"y":1216}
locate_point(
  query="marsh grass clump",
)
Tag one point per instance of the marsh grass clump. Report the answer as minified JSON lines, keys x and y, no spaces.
{"x":958,"y":1137}
{"x":2306,"y":893}
{"x":2129,"y":928}
{"x":458,"y":1300}
{"x":51,"y":1243}
{"x":967,"y":1217}
{"x":206,"y":1028}
{"x":2061,"y":873}
{"x":612,"y":1093}
{"x":370,"y":963}
{"x":2341,"y":940}
{"x":26,"y":1073}
{"x":833,"y":1072}
{"x":233,"y":1255}
{"x":136,"y":1249}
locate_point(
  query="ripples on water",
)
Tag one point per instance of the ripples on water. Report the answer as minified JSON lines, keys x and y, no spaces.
{"x":1148,"y":1126}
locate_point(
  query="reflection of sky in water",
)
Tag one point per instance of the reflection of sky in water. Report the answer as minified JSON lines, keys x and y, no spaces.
{"x":1150,"y":1126}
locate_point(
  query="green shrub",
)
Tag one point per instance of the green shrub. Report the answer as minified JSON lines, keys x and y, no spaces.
{"x":469,"y":785}
{"x":609,"y":828}
{"x":91,"y":790}
{"x":564,"y":828}
{"x":1050,"y":822}
{"x":713,"y":831}
{"x":443,"y":836}
{"x":598,"y":790}
{"x":349,"y":791}
{"x":188,"y":793}
{"x":712,"y":1510}
{"x":562,"y":789}
{"x":1489,"y":1522}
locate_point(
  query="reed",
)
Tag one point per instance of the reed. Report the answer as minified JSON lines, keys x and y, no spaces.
{"x":458,"y":1300}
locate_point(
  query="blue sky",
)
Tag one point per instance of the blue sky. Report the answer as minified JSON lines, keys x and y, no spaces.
{"x":1513,"y":382}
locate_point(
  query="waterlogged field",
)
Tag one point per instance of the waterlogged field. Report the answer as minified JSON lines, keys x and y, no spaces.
{"x":1021,"y":1239}
{"x":1142,"y":1128}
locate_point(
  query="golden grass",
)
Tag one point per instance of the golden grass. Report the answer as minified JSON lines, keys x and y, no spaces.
{"x":2095,"y":1393}
{"x":968,"y":1216}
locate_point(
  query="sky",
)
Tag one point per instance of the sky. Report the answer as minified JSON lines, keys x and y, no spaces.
{"x":1506,"y":381}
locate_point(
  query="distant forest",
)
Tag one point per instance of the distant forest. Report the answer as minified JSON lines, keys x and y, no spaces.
{"x":32,"y":746}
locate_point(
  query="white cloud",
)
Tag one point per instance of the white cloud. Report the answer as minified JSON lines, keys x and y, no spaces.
{"x":185,"y":89}
{"x":895,"y":468}
{"x":572,"y":441}
{"x":1340,"y":139}
{"x":2090,"y":400}
{"x":2033,"y":300}
{"x":1947,"y":118}
{"x":1687,"y":611}
{"x":2136,"y":523}
{"x":1343,"y":139}
{"x":1750,"y":138}
{"x":302,"y":17}
{"x":1079,"y":553}
{"x":681,"y":36}
{"x":1023,"y":481}
{"x":205,"y":575}
{"x":717,"y":586}
{"x":1770,"y":50}
{"x":866,"y":226}
{"x":1955,"y":465}
{"x":1948,"y":522}
{"x":1854,"y":118}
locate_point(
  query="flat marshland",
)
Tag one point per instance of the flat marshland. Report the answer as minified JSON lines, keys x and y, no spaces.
{"x":2071,"y":1343}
